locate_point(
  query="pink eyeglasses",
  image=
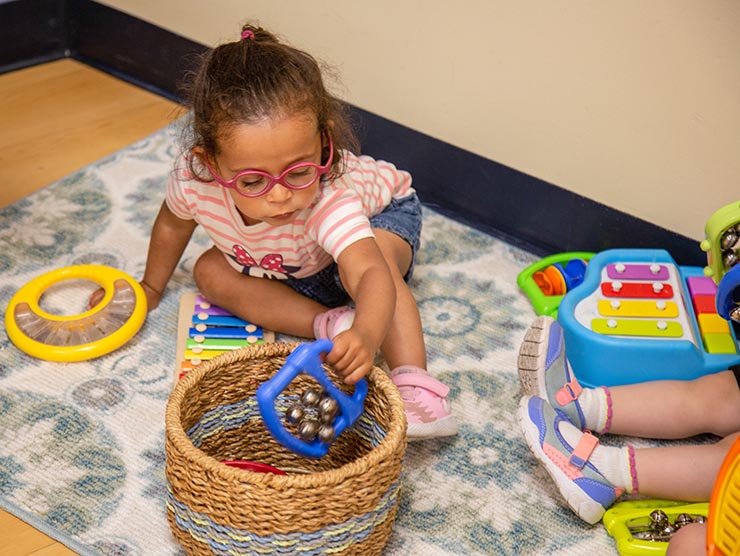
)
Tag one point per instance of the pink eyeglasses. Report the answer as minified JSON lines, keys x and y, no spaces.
{"x":255,"y":183}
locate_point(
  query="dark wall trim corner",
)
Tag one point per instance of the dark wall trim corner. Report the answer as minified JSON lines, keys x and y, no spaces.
{"x":34,"y":32}
{"x":130,"y":48}
{"x":536,"y":215}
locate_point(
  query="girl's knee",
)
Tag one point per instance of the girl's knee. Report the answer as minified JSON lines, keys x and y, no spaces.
{"x":722,"y":392}
{"x":395,"y":250}
{"x":207,"y":269}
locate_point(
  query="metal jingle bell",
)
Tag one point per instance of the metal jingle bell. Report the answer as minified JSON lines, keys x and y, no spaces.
{"x":735,"y":314}
{"x":308,"y":429}
{"x":729,"y":258}
{"x":328,"y":408}
{"x":295,"y":413}
{"x":659,"y":519}
{"x":310,"y":397}
{"x":729,"y":238}
{"x":326,"y":433}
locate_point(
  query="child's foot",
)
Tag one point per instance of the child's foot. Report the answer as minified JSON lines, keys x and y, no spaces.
{"x":544,"y":370}
{"x":425,"y":403}
{"x":332,"y":322}
{"x":582,"y":485}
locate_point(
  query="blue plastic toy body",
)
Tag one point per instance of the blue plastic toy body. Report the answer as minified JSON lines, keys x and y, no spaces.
{"x":637,"y":317}
{"x":306,"y":359}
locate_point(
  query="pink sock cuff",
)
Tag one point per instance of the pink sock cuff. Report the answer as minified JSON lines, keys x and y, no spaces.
{"x":609,"y":411}
{"x":330,"y":323}
{"x":633,"y":469}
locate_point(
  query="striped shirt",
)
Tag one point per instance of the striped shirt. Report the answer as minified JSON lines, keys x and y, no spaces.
{"x":338,"y":217}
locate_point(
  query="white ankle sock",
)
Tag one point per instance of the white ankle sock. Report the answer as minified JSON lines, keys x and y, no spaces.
{"x":611,"y":461}
{"x":595,"y":405}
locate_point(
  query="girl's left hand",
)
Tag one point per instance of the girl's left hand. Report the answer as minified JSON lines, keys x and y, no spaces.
{"x":351,"y":356}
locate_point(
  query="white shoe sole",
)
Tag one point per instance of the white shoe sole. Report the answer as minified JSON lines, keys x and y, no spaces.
{"x":447,"y":426}
{"x":533,"y":357}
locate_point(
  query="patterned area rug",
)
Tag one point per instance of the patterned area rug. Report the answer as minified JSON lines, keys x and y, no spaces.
{"x":82,"y":444}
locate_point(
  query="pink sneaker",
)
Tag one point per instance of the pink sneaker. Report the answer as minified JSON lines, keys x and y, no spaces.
{"x":425,"y":403}
{"x":332,"y":322}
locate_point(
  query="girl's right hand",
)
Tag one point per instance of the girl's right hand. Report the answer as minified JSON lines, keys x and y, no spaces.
{"x":352,"y":355}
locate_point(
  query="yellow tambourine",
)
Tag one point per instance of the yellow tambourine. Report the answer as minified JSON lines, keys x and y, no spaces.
{"x":102,"y":329}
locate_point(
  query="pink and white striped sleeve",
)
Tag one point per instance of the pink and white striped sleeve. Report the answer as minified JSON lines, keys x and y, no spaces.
{"x":175,"y":196}
{"x":338,"y":221}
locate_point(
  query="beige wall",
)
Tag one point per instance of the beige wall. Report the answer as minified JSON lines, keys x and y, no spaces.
{"x":634,"y":104}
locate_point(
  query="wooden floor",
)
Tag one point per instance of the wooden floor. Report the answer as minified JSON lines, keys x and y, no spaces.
{"x":55,"y":119}
{"x":58,"y":117}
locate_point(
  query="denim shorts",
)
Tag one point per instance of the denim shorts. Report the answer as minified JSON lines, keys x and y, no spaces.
{"x":401,"y":216}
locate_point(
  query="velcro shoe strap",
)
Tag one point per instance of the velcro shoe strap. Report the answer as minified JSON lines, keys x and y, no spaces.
{"x":568,"y":393}
{"x":586,"y":445}
{"x":421,"y":380}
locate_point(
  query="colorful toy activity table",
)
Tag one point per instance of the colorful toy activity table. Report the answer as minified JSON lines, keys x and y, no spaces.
{"x":639,"y":316}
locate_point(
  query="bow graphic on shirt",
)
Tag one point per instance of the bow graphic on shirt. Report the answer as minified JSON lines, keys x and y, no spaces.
{"x":271,"y":266}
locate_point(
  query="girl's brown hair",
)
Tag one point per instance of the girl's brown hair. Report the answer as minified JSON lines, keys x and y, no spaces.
{"x":255,"y":78}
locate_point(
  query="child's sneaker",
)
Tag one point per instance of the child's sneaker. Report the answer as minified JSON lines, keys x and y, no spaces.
{"x":425,"y":403}
{"x":544,"y":370}
{"x":327,"y":325}
{"x":582,"y":485}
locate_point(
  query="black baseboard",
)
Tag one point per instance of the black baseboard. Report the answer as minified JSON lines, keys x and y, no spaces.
{"x":486,"y":195}
{"x":515,"y":206}
{"x":130,"y":48}
{"x":34,"y":32}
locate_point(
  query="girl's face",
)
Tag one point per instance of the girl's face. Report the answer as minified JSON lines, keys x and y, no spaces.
{"x":270,"y":146}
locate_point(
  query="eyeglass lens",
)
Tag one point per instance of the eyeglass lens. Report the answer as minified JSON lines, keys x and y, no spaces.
{"x":300,"y":176}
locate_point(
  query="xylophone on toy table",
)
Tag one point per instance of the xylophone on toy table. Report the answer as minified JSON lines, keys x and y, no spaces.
{"x":205,"y":331}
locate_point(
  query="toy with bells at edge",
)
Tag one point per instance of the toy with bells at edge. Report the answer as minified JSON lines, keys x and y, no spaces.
{"x":728,"y":295}
{"x":100,"y":330}
{"x":336,"y":410}
{"x":643,"y":527}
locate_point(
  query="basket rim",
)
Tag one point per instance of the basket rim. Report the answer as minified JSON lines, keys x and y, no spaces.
{"x":175,"y":433}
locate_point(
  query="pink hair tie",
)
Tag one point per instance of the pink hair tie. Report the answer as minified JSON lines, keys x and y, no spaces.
{"x":247,"y":34}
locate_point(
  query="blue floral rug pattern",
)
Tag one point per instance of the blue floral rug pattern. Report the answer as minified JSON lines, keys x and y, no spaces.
{"x":82,"y":444}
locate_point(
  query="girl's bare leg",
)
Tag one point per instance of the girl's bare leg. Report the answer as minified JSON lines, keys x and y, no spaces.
{"x":681,"y":472}
{"x":268,"y":303}
{"x":673,"y":409}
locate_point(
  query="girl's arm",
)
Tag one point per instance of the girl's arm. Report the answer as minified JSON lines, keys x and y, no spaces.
{"x":170,"y":237}
{"x":368,"y":280}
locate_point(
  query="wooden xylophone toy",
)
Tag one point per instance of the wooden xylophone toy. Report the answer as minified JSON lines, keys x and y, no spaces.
{"x":206,"y":331}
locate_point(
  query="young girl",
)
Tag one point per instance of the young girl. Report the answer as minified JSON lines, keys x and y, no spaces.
{"x":556,"y":411}
{"x":300,"y":225}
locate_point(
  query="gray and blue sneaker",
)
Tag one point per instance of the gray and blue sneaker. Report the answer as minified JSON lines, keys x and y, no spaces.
{"x":544,"y":370}
{"x":584,"y":488}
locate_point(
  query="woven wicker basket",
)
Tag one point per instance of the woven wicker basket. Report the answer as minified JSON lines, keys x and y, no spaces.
{"x":341,"y":504}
